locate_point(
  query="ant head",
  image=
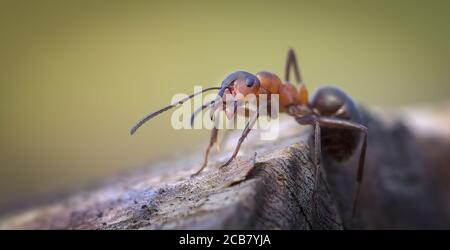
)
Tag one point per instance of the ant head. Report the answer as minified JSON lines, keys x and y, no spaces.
{"x":235,"y":88}
{"x":240,"y":82}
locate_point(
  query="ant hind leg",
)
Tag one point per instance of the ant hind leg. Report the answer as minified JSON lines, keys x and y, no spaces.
{"x":346,"y":124}
{"x":291,"y":63}
{"x":313,"y":120}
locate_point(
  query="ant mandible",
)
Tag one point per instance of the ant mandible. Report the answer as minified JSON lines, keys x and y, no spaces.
{"x":332,"y":113}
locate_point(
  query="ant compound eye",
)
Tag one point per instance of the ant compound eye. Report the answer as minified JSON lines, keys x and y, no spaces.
{"x":246,"y":85}
{"x":250,"y":81}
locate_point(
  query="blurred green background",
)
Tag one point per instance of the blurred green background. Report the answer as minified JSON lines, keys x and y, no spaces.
{"x":75,"y":75}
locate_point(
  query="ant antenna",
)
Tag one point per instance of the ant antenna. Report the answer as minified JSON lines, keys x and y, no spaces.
{"x":153,"y":114}
{"x":200,"y":109}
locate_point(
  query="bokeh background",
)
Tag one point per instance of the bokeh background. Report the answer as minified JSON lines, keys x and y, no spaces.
{"x":75,"y":75}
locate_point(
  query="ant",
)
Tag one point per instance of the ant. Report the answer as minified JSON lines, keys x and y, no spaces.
{"x":332,"y":113}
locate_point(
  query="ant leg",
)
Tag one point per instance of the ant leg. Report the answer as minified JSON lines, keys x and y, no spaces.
{"x":359,"y":174}
{"x":345,"y":124}
{"x":212,"y":140}
{"x":291,"y":62}
{"x":244,"y":134}
{"x":312,"y":120}
{"x":220,"y":142}
{"x":225,"y":134}
{"x":317,"y":153}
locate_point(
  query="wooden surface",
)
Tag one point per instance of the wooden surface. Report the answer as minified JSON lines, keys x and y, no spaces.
{"x":406,"y":185}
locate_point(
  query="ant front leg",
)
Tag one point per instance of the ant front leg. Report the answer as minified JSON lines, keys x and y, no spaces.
{"x":222,"y":140}
{"x":212,"y":141}
{"x":244,"y":134}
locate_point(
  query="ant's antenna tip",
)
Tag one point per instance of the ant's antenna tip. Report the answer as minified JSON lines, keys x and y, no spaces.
{"x":132,"y":131}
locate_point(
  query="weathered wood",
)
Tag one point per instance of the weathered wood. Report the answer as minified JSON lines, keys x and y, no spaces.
{"x":271,"y":191}
{"x":396,"y":191}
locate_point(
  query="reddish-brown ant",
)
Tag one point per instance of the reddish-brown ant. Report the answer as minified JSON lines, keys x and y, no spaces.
{"x":333,"y":114}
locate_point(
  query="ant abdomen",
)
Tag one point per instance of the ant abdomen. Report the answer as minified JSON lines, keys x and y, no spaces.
{"x":338,"y":143}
